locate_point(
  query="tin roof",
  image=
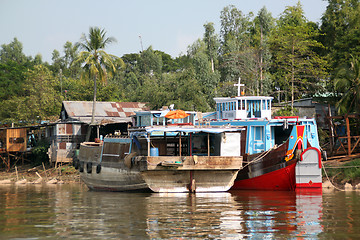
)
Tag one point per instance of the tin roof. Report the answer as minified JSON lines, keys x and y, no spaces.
{"x":105,"y":112}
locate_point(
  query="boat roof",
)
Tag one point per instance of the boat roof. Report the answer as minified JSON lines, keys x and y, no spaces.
{"x":224,"y":99}
{"x":193,"y":129}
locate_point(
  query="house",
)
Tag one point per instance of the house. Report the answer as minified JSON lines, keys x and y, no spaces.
{"x":75,"y":117}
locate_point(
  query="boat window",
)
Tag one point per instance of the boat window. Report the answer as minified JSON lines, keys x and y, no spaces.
{"x":114,"y":152}
{"x":281,"y":134}
{"x":259,"y":133}
{"x":16,"y":140}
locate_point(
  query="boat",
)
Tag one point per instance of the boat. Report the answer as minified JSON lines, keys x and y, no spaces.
{"x":188,"y":158}
{"x":280,"y":153}
{"x":163,"y":158}
{"x":103,"y":166}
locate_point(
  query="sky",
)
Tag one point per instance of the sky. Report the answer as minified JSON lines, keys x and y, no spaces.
{"x":166,"y":25}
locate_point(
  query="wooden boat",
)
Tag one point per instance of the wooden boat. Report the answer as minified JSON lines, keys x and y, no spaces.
{"x":164,"y":159}
{"x":102,"y":166}
{"x":188,"y":159}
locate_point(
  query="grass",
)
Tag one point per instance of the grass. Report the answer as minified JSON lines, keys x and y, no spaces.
{"x":346,"y":173}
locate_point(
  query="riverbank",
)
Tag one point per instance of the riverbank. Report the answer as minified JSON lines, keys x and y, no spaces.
{"x":336,"y":174}
{"x":40,"y":174}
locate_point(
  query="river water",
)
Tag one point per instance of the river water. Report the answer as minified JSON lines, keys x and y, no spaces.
{"x":74,"y":212}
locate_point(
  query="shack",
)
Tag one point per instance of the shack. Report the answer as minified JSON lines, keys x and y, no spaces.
{"x":13,"y":144}
{"x":75,"y":117}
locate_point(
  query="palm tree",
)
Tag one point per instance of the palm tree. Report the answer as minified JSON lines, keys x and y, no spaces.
{"x":96,"y":62}
{"x":348,"y":83}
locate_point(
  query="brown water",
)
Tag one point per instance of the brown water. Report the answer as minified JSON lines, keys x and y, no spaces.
{"x":73,"y":212}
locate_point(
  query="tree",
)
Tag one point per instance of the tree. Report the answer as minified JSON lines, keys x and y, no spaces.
{"x":150,"y":62}
{"x":203,"y":72}
{"x":299,"y":69}
{"x":212,"y":43}
{"x":238,"y":58}
{"x":263,"y":24}
{"x":40,"y":98}
{"x":340,"y":30}
{"x":347,"y":82}
{"x":13,"y":52}
{"x":96,"y":62}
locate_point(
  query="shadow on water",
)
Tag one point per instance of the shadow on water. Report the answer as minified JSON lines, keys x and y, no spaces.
{"x":73,"y":212}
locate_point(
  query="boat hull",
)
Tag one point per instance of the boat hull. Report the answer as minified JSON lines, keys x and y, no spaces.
{"x":268,"y":171}
{"x":282,"y":179}
{"x":108,"y":176}
{"x":113,"y":179}
{"x":190,"y":180}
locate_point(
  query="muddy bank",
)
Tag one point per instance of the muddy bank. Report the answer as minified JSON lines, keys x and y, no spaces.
{"x":66,"y":174}
{"x":40,"y":174}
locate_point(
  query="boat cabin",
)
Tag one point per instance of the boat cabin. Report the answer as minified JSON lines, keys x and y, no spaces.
{"x":243,"y":107}
{"x":262,"y":132}
{"x":186,"y":141}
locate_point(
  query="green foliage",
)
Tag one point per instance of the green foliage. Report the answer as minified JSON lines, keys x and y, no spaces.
{"x":298,"y":68}
{"x":39,"y":152}
{"x":300,"y":57}
{"x":349,"y":172}
{"x":13,"y":52}
{"x":285,"y":111}
{"x":347,"y":83}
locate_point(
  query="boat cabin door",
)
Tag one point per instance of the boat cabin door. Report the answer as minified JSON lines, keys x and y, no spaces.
{"x":257,"y":139}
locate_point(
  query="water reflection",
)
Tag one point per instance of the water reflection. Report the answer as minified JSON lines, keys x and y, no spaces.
{"x":73,"y":212}
{"x":236,"y":215}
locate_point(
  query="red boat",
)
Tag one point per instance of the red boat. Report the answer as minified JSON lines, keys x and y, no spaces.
{"x":280,"y":153}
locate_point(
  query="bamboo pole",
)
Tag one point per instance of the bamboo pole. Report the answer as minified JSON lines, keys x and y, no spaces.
{"x":17,"y":175}
{"x":45,"y":172}
{"x":348,"y":134}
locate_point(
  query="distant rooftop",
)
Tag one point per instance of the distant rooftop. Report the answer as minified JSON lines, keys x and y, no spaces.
{"x":105,"y":112}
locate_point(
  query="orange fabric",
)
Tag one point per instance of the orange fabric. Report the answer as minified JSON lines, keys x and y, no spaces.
{"x":176,"y":114}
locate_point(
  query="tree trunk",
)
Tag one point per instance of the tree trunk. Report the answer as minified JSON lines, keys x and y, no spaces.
{"x":92,"y":114}
{"x":212,"y":65}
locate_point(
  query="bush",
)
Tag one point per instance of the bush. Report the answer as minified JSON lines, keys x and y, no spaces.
{"x":349,"y":172}
{"x":39,"y":152}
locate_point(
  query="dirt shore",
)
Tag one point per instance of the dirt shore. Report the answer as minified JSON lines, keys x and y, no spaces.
{"x":40,"y":174}
{"x":68,"y":174}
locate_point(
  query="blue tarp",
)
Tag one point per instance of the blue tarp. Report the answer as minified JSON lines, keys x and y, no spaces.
{"x":193,"y":130}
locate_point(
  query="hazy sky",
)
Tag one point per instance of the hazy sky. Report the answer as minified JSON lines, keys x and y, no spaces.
{"x":167,"y":25}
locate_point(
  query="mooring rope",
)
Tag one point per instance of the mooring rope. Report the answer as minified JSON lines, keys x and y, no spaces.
{"x":327,"y":177}
{"x":262,"y":155}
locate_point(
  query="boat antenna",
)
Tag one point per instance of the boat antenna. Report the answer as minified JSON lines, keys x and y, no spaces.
{"x":239,"y":85}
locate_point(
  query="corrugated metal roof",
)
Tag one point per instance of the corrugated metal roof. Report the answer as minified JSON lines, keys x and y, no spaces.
{"x":105,"y":112}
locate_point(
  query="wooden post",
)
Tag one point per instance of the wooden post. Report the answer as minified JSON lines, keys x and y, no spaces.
{"x":165,"y":144}
{"x":348,"y":133}
{"x":208,"y":144}
{"x":180,"y":144}
{"x":190,"y":148}
{"x":148,"y":145}
{"x":331,"y":127}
